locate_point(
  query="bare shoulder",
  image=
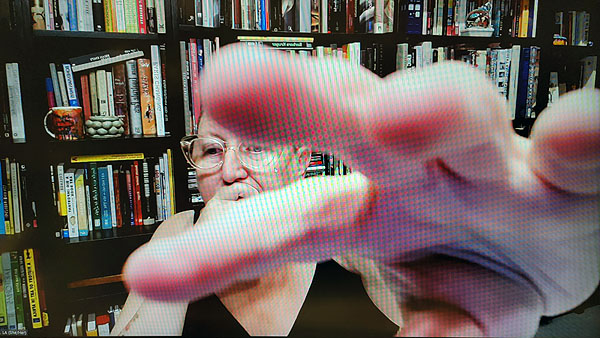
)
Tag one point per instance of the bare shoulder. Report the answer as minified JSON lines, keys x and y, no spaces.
{"x":175,"y":225}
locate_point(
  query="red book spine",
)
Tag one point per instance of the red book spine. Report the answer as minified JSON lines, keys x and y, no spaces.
{"x":237,"y":10}
{"x":137,"y":193}
{"x":85,"y":96}
{"x":350,"y":15}
{"x":129,"y":183}
{"x":117,"y":198}
{"x":141,"y":4}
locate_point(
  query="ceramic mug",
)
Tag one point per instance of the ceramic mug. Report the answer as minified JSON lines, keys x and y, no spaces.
{"x":64,"y":123}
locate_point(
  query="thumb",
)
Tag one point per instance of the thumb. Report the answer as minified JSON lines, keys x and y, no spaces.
{"x":565,"y":150}
{"x":300,"y":223}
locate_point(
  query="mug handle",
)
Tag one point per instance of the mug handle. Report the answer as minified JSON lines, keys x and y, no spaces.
{"x":46,"y":125}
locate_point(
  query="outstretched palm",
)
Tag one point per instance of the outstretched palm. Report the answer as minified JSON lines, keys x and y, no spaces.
{"x":459,"y":210}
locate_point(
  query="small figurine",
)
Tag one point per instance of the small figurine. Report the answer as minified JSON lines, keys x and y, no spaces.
{"x":479,"y":17}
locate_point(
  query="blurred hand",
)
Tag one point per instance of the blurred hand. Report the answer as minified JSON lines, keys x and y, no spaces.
{"x":477,"y":230}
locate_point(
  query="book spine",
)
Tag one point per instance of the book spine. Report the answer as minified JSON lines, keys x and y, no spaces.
{"x":102,"y":92}
{"x":171,"y":179}
{"x":16,"y":197}
{"x":27,"y":205}
{"x":85,"y":96}
{"x":108,"y":15}
{"x":94,"y":94}
{"x":49,"y":14}
{"x":146,"y":97}
{"x":137,"y":198}
{"x":63,"y":10}
{"x":32,"y":289}
{"x":141,"y":10}
{"x":81,"y":204}
{"x":195,"y":57}
{"x":131,"y":208}
{"x":147,"y":215}
{"x":158,"y":191}
{"x":55,"y":85}
{"x":163,"y":69}
{"x":134,"y":98}
{"x":110,"y":93}
{"x":13,"y":84}
{"x":124,"y":196}
{"x":81,"y":20}
{"x":2,"y":209}
{"x":116,"y":188}
{"x":131,"y":16}
{"x":25,"y":292}
{"x":63,"y":87}
{"x":120,"y":95}
{"x":120,"y":15}
{"x":106,"y":217}
{"x":95,"y":196}
{"x":185,"y":78}
{"x":88,"y":200}
{"x":3,"y":310}
{"x":111,"y":196}
{"x":70,"y":84}
{"x":157,"y":90}
{"x":62,"y":195}
{"x":10,"y":229}
{"x":11,"y":314}
{"x":151,"y":16}
{"x":98,"y":15}
{"x":72,"y":219}
{"x":161,"y":26}
{"x":18,"y":290}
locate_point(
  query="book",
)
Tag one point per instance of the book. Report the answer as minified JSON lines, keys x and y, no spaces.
{"x":117,"y":195}
{"x":18,"y":291}
{"x":62,"y":195}
{"x":131,"y":16}
{"x":105,"y":209}
{"x":82,"y":206}
{"x":588,"y":71}
{"x":9,"y":296}
{"x":91,"y":330}
{"x":16,"y":198}
{"x":32,"y":289}
{"x":94,"y":94}
{"x":29,"y":216}
{"x":26,"y":303}
{"x":146,"y":97}
{"x":70,"y":84}
{"x":102,"y":92}
{"x":120,"y":95}
{"x":105,"y":58}
{"x":513,"y":79}
{"x":108,"y":16}
{"x":88,"y":200}
{"x":55,"y":85}
{"x":72,"y":216}
{"x":157,"y":90}
{"x":94,"y":195}
{"x":62,"y":85}
{"x":141,"y":15}
{"x":3,"y":225}
{"x":3,"y":312}
{"x":8,"y":200}
{"x":135,"y":117}
{"x":161,"y":26}
{"x":13,"y":84}
{"x":111,"y":195}
{"x":110,"y":96}
{"x":107,"y":157}
{"x":185,"y":78}
{"x":85,"y":96}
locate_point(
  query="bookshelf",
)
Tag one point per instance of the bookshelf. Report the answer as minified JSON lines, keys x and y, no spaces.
{"x":64,"y":262}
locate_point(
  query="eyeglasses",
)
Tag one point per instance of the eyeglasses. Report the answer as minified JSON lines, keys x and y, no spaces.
{"x":206,"y":153}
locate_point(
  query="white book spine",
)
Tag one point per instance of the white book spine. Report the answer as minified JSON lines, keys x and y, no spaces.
{"x":111,"y":192}
{"x":88,"y":202}
{"x":324,"y":19}
{"x":207,"y":47}
{"x":513,"y":80}
{"x":304,"y":15}
{"x":424,"y":16}
{"x":63,"y":8}
{"x":535,"y":15}
{"x":102,"y":92}
{"x":48,"y":14}
{"x":427,"y":53}
{"x":15,"y":102}
{"x":63,"y":87}
{"x":89,"y":16}
{"x":206,"y":13}
{"x":72,"y":221}
{"x":81,"y":18}
{"x":135,"y":121}
{"x":9,"y":291}
{"x":120,"y":15}
{"x":419,"y":56}
{"x":157,"y":90}
{"x":108,"y":61}
{"x":54,"y":77}
{"x":70,"y":84}
{"x":245,"y":22}
{"x":378,"y":17}
{"x":16,"y":196}
{"x":161,"y":25}
{"x":110,"y":94}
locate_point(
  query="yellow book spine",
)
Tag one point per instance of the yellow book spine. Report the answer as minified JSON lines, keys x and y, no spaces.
{"x":108,"y":24}
{"x":107,"y":157}
{"x":10,"y":227}
{"x":171,"y":180}
{"x":524,"y":18}
{"x":32,"y":289}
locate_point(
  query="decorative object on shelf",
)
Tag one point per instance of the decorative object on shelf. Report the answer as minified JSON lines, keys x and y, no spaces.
{"x":104,"y":127}
{"x":66,"y":123}
{"x":478,"y":21}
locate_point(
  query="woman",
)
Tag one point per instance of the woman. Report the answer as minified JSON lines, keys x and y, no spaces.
{"x":228,"y":171}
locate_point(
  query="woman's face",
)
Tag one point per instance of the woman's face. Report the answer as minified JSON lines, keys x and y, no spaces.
{"x":232,"y":176}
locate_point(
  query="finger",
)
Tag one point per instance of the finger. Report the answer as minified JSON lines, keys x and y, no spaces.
{"x":241,"y":244}
{"x":269,"y":95}
{"x":448,"y":111}
{"x":565,"y":150}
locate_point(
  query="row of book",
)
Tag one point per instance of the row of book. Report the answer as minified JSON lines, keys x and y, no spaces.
{"x":317,"y":16}
{"x":17,"y":210}
{"x":513,"y":71}
{"x":322,"y":164}
{"x":515,"y":18}
{"x":100,"y":192}
{"x":575,"y":75}
{"x":115,"y":83}
{"x":572,"y":28}
{"x":96,"y":324}
{"x":22,"y":296}
{"x":12,"y":124}
{"x":118,"y":16}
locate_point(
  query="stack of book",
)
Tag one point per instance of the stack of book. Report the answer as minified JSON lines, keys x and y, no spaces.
{"x":92,"y":325}
{"x":322,"y":164}
{"x":317,"y":16}
{"x":118,"y":16}
{"x":99,"y":192}
{"x":17,"y":210}
{"x":22,"y":296}
{"x":515,"y":18}
{"x":12,"y":125}
{"x":115,"y":83}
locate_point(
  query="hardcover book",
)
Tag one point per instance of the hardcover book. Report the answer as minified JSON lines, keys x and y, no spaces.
{"x":146,"y":97}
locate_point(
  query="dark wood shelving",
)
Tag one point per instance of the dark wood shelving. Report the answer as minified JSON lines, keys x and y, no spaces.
{"x":114,"y":234}
{"x":39,"y":34}
{"x":24,"y":240}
